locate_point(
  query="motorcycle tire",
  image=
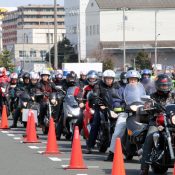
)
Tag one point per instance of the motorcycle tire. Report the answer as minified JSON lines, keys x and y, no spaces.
{"x":25,"y":124}
{"x":157,"y":169}
{"x":45,"y":130}
{"x":68,"y":136}
{"x":103,"y":141}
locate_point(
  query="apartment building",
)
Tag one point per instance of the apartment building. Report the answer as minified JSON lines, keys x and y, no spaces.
{"x":28,"y":32}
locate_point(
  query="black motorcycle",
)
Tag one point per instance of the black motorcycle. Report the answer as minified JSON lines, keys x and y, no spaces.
{"x":107,"y":123}
{"x":162,"y":155}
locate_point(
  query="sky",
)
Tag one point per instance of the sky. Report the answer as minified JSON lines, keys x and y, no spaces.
{"x":16,"y":3}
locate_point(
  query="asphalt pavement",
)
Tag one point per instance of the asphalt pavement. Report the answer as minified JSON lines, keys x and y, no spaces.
{"x":17,"y":158}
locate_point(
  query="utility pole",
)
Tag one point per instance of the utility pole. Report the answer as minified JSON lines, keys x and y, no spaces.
{"x":55,"y":36}
{"x":124,"y":43}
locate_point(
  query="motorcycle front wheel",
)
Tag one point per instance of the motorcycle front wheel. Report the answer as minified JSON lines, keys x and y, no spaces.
{"x":157,"y":169}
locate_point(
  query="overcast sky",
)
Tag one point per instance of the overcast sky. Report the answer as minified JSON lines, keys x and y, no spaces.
{"x":15,"y":3}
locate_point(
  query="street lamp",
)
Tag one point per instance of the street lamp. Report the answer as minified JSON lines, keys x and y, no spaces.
{"x":55,"y":36}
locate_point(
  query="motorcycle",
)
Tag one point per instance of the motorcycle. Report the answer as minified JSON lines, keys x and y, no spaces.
{"x":71,"y":112}
{"x":136,"y":129}
{"x":162,"y":155}
{"x":53,"y":109}
{"x":107,"y":123}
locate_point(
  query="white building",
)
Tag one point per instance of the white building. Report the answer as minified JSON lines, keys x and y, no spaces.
{"x":75,"y":24}
{"x":147,"y":24}
{"x":28,"y":32}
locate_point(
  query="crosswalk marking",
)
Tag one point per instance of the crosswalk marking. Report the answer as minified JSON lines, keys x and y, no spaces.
{"x":11,"y":135}
{"x":5,"y":132}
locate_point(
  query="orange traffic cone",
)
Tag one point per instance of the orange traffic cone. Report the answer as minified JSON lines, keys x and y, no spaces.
{"x":174,"y":170}
{"x":28,"y":124}
{"x":76,"y":161}
{"x":118,"y":163}
{"x":51,"y":147}
{"x":31,"y":135}
{"x":4,"y":120}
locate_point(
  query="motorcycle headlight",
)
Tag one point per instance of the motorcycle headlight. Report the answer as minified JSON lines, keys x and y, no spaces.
{"x":173,"y":119}
{"x":53,"y":101}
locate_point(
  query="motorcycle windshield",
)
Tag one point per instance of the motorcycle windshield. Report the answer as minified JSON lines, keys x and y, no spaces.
{"x":133,"y":93}
{"x":69,"y":98}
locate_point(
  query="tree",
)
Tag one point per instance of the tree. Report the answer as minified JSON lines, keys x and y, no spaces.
{"x":108,"y":64}
{"x":142,"y":61}
{"x":5,"y":60}
{"x":66,"y":53}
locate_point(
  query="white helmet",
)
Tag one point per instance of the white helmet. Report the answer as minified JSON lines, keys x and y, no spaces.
{"x":45,"y":72}
{"x":14,"y":75}
{"x":83,"y":72}
{"x":34,"y":76}
{"x":133,"y":74}
{"x":109,"y":73}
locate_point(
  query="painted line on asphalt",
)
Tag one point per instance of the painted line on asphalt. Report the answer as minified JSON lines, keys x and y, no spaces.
{"x":33,"y":147}
{"x":5,"y":132}
{"x":11,"y":135}
{"x":65,"y":158}
{"x":40,"y":152}
{"x":55,"y":159}
{"x":64,"y":166}
{"x":17,"y":138}
{"x":82,"y":174}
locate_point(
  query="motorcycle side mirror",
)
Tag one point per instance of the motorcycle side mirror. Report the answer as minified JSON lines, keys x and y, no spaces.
{"x":145,"y":98}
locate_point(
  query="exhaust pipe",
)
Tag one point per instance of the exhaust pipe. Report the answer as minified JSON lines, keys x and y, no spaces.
{"x":156,"y":139}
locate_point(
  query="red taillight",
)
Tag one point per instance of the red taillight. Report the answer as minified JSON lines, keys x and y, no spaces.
{"x":160,"y":119}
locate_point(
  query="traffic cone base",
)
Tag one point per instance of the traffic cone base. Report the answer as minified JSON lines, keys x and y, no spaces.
{"x":76,"y":161}
{"x":4,"y":120}
{"x":52,"y":147}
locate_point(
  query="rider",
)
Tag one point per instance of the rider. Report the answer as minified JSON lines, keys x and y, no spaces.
{"x":133,"y":78}
{"x":83,"y":79}
{"x":105,"y":90}
{"x":46,"y":87}
{"x":123,"y":79}
{"x":163,"y":95}
{"x":3,"y":75}
{"x":147,"y":81}
{"x":20,"y":89}
{"x":92,"y":80}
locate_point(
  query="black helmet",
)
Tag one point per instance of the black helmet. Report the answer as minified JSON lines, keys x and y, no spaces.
{"x":71,"y":77}
{"x":26,"y":75}
{"x":163,"y":83}
{"x":123,"y":78}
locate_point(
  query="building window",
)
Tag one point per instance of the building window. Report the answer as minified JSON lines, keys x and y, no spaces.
{"x":87,"y":30}
{"x":33,"y":53}
{"x":90,"y":30}
{"x":94,"y":29}
{"x":43,"y":54}
{"x":98,"y":32}
{"x":22,"y":53}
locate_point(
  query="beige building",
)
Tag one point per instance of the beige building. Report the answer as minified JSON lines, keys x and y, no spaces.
{"x":28,"y":32}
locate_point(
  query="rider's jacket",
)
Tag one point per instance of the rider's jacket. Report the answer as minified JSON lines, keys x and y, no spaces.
{"x":106,"y":93}
{"x":33,"y":88}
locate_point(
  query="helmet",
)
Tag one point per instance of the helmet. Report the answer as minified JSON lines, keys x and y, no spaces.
{"x":83,"y":72}
{"x":65,"y":72}
{"x":123,"y":75}
{"x":3,"y":71}
{"x":71,"y":77}
{"x":45,"y":72}
{"x":34,"y":75}
{"x":163,"y":83}
{"x":92,"y":74}
{"x":109,"y":73}
{"x":26,"y":75}
{"x":100,"y":74}
{"x":59,"y":76}
{"x":133,"y":74}
{"x":123,"y":78}
{"x":146,"y":72}
{"x":14,"y":75}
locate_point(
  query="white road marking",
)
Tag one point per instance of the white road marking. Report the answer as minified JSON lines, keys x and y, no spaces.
{"x":65,"y":158}
{"x":5,"y":131}
{"x":33,"y":147}
{"x":93,"y":166}
{"x":55,"y":159}
{"x":82,"y":174}
{"x":11,"y":135}
{"x":40,"y":152}
{"x":64,"y":166}
{"x":17,"y":138}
